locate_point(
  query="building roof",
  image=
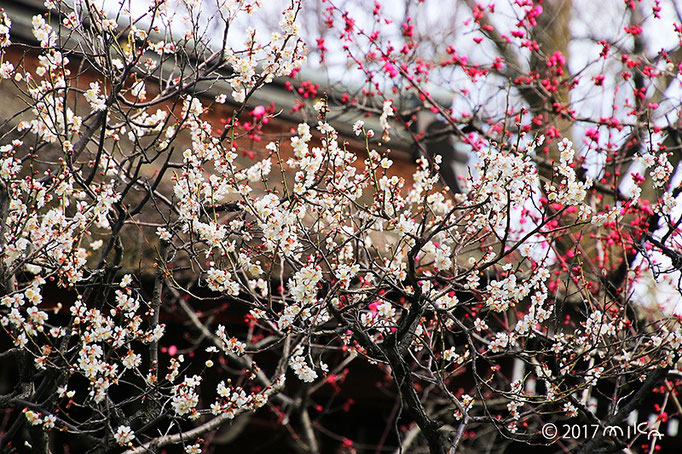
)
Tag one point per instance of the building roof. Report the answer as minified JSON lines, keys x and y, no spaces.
{"x":21,"y":13}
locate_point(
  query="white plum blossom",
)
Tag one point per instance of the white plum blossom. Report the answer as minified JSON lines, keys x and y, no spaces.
{"x":5,"y":26}
{"x":92,"y":96}
{"x":231,"y":345}
{"x":570,"y":191}
{"x":6,"y":70}
{"x":357,"y":127}
{"x":132,"y":360}
{"x":387,"y":111}
{"x":185,"y":398}
{"x":303,"y":371}
{"x":124,"y":435}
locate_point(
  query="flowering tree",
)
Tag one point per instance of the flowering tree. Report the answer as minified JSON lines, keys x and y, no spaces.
{"x":498,"y":308}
